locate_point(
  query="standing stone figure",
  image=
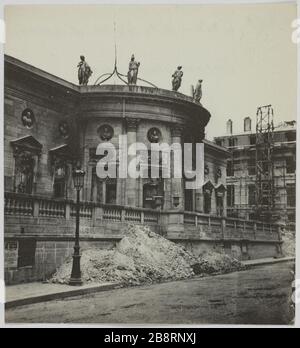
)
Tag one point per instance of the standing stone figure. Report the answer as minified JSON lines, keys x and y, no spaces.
{"x":177,"y":77}
{"x":133,"y":71}
{"x":84,"y":71}
{"x":197,"y":91}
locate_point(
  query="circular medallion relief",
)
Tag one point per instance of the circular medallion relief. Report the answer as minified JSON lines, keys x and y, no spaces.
{"x":64,"y":129}
{"x":28,"y":118}
{"x":154,"y":135}
{"x":105,"y":132}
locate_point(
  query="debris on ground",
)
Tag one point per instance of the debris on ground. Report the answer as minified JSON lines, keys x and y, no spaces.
{"x":289,"y":242}
{"x":143,"y":256}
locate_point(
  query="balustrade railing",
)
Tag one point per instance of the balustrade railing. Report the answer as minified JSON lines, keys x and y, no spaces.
{"x":86,"y":210}
{"x":49,"y":208}
{"x":32,"y":206}
{"x":231,"y":227}
{"x":18,"y":205}
{"x":112,"y":214}
{"x":133,"y":216}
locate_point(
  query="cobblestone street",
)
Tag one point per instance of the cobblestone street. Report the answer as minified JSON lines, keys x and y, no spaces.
{"x":257,"y":296}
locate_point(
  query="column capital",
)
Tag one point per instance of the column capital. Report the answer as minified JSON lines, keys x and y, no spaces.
{"x":176,"y":131}
{"x":132,"y":124}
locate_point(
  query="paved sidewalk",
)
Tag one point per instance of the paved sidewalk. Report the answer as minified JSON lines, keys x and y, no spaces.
{"x":22,"y":294}
{"x":267,"y":261}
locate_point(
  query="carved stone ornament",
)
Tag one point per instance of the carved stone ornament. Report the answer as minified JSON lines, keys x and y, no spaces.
{"x":154,"y":135}
{"x":206,"y":170}
{"x":176,"y":131}
{"x":132,"y":124}
{"x":28,"y":118}
{"x":64,"y":129}
{"x":105,"y":132}
{"x":219,"y":173}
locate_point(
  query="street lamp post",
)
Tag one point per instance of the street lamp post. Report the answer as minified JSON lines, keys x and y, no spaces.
{"x":78,"y":178}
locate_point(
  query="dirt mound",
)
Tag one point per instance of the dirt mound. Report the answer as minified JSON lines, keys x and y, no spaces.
{"x":143,"y":256}
{"x":216,"y":263}
{"x":289,"y":242}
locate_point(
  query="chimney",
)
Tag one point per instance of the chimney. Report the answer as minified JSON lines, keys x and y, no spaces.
{"x":247,"y":124}
{"x":229,"y":127}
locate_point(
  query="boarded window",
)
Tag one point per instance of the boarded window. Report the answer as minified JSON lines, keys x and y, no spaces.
{"x":26,"y":253}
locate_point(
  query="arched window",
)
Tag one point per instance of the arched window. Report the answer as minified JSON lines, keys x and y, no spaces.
{"x":229,"y":127}
{"x":247,"y":124}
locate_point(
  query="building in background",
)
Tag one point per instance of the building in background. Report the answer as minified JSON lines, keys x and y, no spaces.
{"x":241,"y":171}
{"x":51,"y":124}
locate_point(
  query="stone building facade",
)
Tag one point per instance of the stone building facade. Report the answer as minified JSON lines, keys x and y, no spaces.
{"x":51,"y":124}
{"x":241,"y":171}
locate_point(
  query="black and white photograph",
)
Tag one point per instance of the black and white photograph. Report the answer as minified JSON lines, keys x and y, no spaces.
{"x":149,"y":165}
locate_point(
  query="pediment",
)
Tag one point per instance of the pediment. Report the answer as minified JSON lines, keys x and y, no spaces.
{"x":220,"y":188}
{"x":27,"y":143}
{"x":208,"y":185}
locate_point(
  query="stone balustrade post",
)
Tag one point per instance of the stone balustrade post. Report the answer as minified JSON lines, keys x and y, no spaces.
{"x":68,"y":211}
{"x":97,"y":214}
{"x":254,"y":229}
{"x":36,"y":208}
{"x":123,"y":212}
{"x":223,"y":228}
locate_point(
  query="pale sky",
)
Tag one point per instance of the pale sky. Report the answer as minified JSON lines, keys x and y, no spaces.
{"x":244,"y":53}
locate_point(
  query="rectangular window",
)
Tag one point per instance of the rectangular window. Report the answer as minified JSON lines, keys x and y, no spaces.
{"x":291,"y":196}
{"x":207,"y":201}
{"x":291,"y":136}
{"x":111,"y":191}
{"x":290,"y":165}
{"x":231,"y":142}
{"x":188,"y":200}
{"x":59,"y":188}
{"x":252,"y":139}
{"x":251,"y":167}
{"x":26,"y":253}
{"x":230,"y":168}
{"x":251,"y":195}
{"x":230,"y":195}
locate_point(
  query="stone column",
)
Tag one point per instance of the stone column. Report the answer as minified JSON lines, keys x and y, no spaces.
{"x":131,"y":184}
{"x":177,"y":184}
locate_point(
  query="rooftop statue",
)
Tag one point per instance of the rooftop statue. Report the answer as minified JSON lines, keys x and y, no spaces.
{"x":133,"y":71}
{"x":177,"y":77}
{"x":197,"y":91}
{"x":84,"y":71}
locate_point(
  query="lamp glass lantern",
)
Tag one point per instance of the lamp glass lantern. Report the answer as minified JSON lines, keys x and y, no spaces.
{"x":78,"y":178}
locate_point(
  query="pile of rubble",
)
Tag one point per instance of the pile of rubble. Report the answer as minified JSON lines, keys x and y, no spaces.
{"x":143,"y":256}
{"x":289,"y":242}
